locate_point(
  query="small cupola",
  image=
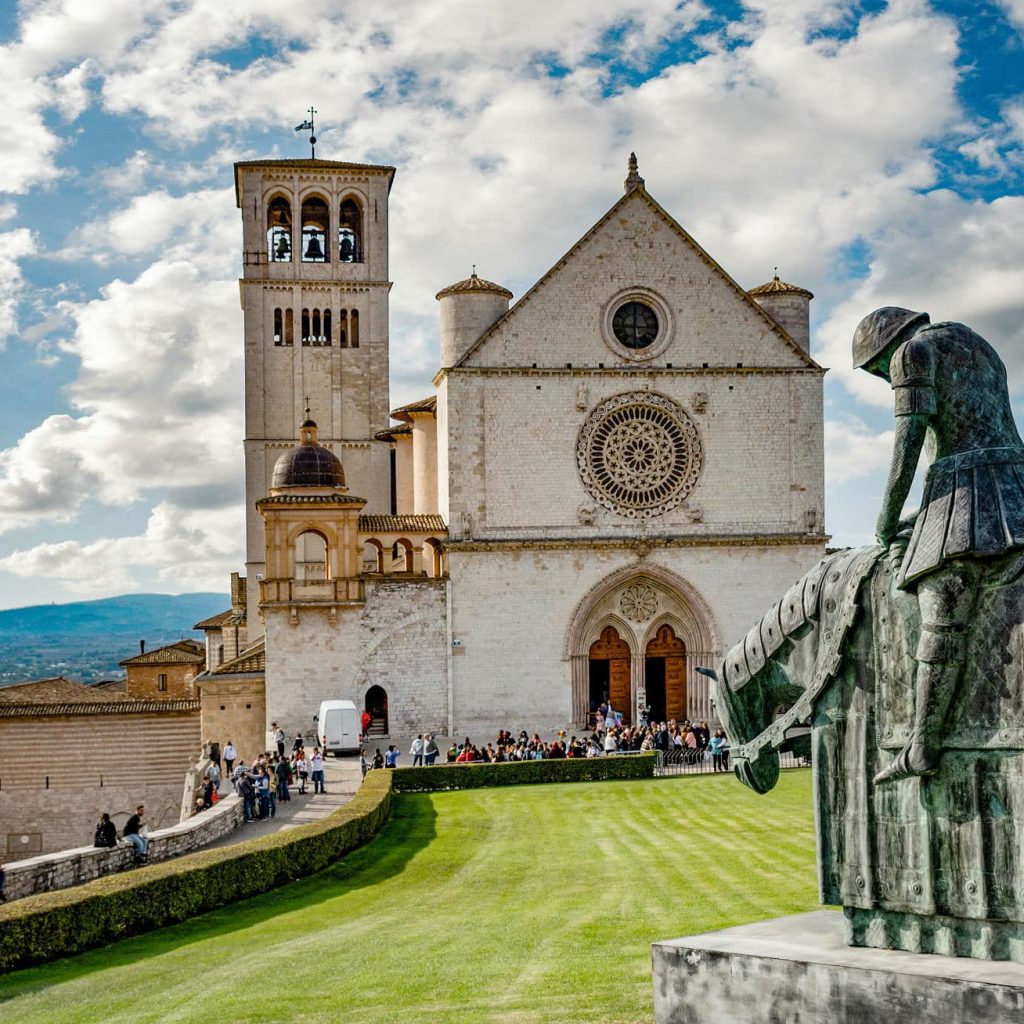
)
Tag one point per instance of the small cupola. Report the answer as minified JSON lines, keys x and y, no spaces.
{"x":788,"y":305}
{"x":308,"y":464}
{"x":468,"y":308}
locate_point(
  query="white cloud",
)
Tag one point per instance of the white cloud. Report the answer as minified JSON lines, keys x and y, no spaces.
{"x":853,"y":451}
{"x":954,"y":258}
{"x":1014,"y":11}
{"x":158,"y":397}
{"x":186,"y":549}
{"x":14,"y":245}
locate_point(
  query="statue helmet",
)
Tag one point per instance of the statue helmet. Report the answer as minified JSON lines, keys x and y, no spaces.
{"x":878,"y":330}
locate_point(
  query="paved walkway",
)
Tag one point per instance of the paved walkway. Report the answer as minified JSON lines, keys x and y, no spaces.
{"x":341,"y":780}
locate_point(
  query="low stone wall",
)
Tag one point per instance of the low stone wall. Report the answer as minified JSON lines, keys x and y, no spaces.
{"x":66,"y":868}
{"x":55,"y":924}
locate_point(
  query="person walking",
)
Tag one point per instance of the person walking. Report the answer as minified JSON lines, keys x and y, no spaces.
{"x":213,"y":775}
{"x":417,"y":751}
{"x":263,"y":793}
{"x":364,"y":723}
{"x":136,"y":832}
{"x":247,"y":791}
{"x":430,"y":750}
{"x":230,"y":754}
{"x":284,"y":772}
{"x":278,"y":738}
{"x":301,"y":769}
{"x":317,"y":764}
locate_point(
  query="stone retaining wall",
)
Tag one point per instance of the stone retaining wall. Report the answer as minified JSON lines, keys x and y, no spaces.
{"x":66,"y":868}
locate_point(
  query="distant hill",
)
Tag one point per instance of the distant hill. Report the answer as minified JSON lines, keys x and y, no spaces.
{"x":85,"y":640}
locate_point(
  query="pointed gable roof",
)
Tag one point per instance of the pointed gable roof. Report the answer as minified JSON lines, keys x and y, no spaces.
{"x":639,"y":192}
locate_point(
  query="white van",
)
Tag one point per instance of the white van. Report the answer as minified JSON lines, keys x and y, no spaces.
{"x":338,"y":727}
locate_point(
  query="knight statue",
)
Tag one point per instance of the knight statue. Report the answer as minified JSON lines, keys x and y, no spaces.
{"x":906,"y":658}
{"x":951,"y":399}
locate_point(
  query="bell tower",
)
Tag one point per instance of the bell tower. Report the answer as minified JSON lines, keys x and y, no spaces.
{"x":314,"y":295}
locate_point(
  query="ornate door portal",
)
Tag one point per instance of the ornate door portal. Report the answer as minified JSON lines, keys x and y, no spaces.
{"x":665,"y":669}
{"x":609,"y":673}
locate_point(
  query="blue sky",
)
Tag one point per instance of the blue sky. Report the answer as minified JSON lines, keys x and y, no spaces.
{"x":872,"y":151}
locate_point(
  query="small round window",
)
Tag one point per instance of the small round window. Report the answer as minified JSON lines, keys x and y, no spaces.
{"x":635,"y":325}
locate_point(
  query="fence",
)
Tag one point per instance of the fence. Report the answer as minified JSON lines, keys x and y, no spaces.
{"x":682,"y":761}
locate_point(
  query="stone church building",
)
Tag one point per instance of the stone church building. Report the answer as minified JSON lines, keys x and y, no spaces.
{"x":611,"y":481}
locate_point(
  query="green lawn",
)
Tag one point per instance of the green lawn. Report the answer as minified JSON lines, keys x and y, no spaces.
{"x":526,"y":904}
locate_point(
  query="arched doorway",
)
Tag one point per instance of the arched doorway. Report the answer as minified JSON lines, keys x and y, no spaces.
{"x":665,"y":675}
{"x":377,"y":705}
{"x":609,"y":672}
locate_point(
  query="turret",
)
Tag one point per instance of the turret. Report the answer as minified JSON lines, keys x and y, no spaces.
{"x":468,"y":308}
{"x":789,"y":305}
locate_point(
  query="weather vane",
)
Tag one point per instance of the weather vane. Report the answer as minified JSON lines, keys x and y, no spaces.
{"x":307,"y":126}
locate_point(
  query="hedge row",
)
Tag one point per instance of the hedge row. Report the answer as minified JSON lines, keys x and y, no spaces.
{"x":511,"y":773}
{"x":56,"y":924}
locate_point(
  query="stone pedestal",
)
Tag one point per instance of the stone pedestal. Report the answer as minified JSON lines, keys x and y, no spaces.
{"x":799,"y":970}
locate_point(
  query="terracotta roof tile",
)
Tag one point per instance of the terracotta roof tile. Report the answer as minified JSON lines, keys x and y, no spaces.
{"x":183,"y":652}
{"x":402,"y":524}
{"x":56,"y":690}
{"x":473,"y":284}
{"x":404,"y":412}
{"x":214,"y":621}
{"x":252,"y":660}
{"x":777,"y":287}
{"x":104,"y":707}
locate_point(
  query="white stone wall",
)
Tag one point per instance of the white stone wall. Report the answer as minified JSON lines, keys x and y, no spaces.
{"x":512,"y":452}
{"x":397,"y":640}
{"x":511,"y":612}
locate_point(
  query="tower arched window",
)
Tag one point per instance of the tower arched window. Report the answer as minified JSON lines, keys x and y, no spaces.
{"x":315,"y":220}
{"x":327,"y":327}
{"x":279,"y":230}
{"x":342,"y":328}
{"x":289,"y":327}
{"x":317,"y":333}
{"x":350,"y":232}
{"x":353,"y":329}
{"x":278,"y":326}
{"x":305,"y":335}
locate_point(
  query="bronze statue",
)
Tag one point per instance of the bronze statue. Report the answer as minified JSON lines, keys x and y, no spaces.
{"x":951,"y":399}
{"x":907,"y":660}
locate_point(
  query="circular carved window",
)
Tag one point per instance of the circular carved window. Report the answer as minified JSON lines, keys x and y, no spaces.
{"x":639,"y":454}
{"x":638,"y":602}
{"x":635,"y":325}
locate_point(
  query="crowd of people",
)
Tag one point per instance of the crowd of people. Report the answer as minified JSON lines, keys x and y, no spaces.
{"x":269,"y":778}
{"x":689,"y":742}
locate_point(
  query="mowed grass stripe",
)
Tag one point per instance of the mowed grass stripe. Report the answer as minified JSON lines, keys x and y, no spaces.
{"x":528,"y":904}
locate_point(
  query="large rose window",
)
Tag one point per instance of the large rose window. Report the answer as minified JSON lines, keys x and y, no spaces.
{"x":639,"y":454}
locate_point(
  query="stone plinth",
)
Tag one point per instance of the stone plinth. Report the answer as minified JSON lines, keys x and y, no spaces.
{"x":799,"y":969}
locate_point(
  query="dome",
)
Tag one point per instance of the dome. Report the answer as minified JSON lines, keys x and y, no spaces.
{"x":777,"y":287}
{"x":308,"y":464}
{"x":473,"y":284}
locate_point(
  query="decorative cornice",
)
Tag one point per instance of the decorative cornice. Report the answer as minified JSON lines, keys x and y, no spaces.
{"x":631,"y":371}
{"x":643,"y":545}
{"x":277,"y":283}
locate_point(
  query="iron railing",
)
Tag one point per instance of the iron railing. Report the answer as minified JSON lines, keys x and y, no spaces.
{"x":682,"y":761}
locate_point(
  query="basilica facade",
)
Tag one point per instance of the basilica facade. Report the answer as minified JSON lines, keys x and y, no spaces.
{"x":612,"y":478}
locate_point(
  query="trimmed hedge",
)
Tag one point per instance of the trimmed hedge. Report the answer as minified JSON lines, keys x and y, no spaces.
{"x":57,"y":924}
{"x":512,"y":773}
